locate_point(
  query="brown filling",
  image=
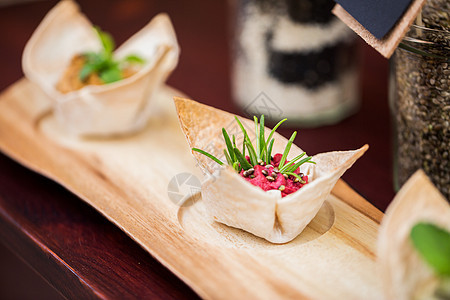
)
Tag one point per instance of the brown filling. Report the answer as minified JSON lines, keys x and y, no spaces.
{"x":70,"y":81}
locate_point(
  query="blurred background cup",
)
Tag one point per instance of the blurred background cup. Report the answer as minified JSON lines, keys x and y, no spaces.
{"x":294,"y":59}
{"x":419,"y":96}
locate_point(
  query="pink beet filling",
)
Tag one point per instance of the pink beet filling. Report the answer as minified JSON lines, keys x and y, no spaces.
{"x":261,"y":180}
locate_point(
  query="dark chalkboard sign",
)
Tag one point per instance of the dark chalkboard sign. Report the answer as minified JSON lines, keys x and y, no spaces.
{"x":377,"y":16}
{"x":381,"y":23}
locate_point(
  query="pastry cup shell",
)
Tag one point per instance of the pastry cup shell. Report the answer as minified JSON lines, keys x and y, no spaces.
{"x":404,"y":273}
{"x":111,"y":109}
{"x":233,"y":201}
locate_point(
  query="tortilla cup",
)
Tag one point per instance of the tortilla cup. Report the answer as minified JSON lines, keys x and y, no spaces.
{"x":233,"y":201}
{"x":110,"y":109}
{"x":404,"y":273}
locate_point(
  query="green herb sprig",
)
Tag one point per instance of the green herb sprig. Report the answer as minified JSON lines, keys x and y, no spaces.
{"x":103,"y":62}
{"x":261,"y":154}
{"x":433,"y":245}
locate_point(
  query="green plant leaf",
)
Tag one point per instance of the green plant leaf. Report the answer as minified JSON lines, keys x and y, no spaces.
{"x":229,"y":161}
{"x":208,"y":155}
{"x":269,"y":151}
{"x":292,"y":162}
{"x":111,"y":74}
{"x":296,"y":176}
{"x":287,"y":149}
{"x":263,"y":148}
{"x":274,"y":129}
{"x":134,"y":59}
{"x":103,"y":63}
{"x":106,"y":40}
{"x":247,"y":142}
{"x":229,"y":145}
{"x":236,"y":166}
{"x":86,"y":71}
{"x":244,"y":163}
{"x":297,"y":165}
{"x":258,"y":149}
{"x":251,"y":152}
{"x":262,"y":141}
{"x":92,"y":57}
{"x":433,"y":244}
{"x":242,"y":128}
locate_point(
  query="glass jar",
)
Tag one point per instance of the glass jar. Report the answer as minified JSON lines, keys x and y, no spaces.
{"x":420,"y":102}
{"x":294,"y":59}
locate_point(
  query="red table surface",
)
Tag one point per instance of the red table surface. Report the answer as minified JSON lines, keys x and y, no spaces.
{"x":77,"y":250}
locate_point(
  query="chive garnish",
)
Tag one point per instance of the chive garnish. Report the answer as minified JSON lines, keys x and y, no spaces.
{"x":229,"y":145}
{"x":274,"y":129}
{"x":263,"y":153}
{"x":251,"y":153}
{"x":227,"y":156}
{"x":295,"y":167}
{"x":300,"y":179}
{"x":208,"y":155}
{"x":269,"y":151}
{"x":258,"y":145}
{"x":292,"y":162}
{"x":262,"y":142}
{"x":286,"y":150}
{"x":243,"y":161}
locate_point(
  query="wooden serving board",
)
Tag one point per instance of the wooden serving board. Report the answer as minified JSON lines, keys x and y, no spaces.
{"x":126,"y":179}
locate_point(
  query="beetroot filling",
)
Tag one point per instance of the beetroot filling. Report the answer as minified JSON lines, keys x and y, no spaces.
{"x":261,"y":180}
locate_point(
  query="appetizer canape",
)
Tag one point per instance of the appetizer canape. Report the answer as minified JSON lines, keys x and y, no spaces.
{"x":98,"y":68}
{"x":97,"y":91}
{"x":270,"y":187}
{"x":414,"y":243}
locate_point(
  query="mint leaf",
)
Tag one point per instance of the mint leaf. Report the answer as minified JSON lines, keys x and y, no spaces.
{"x":106,"y":40}
{"x":433,"y":244}
{"x":111,"y":74}
{"x":86,"y":71}
{"x":134,"y":59}
{"x":103,"y":62}
{"x":92,"y":57}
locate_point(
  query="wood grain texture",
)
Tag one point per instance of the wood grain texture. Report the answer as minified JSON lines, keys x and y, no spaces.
{"x":202,"y":27}
{"x":387,"y":45}
{"x":90,"y":259}
{"x":123,"y":179}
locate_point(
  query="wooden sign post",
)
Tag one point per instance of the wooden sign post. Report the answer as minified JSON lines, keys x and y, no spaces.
{"x":381,"y":24}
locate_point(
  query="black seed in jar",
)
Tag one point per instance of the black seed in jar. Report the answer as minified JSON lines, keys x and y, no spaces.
{"x":422,"y":101}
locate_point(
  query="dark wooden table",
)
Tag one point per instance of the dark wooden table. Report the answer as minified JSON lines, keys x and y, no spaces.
{"x":73,"y":247}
